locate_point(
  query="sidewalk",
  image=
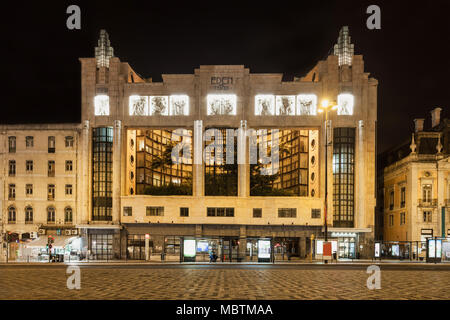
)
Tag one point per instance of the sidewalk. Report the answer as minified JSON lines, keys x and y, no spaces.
{"x":295,"y":262}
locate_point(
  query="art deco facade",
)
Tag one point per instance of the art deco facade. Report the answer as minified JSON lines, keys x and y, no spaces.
{"x":125,"y":184}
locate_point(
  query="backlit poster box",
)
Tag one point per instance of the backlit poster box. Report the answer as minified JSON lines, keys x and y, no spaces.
{"x":189,"y":248}
{"x":264,"y":249}
{"x":434,"y":248}
{"x":377,"y":250}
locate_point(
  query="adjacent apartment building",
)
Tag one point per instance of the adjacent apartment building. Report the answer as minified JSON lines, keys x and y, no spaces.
{"x":417,"y":184}
{"x":113,"y":181}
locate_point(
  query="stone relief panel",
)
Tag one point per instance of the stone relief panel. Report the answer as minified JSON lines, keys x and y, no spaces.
{"x":285,"y":105}
{"x":307,"y":104}
{"x":221,"y":104}
{"x":265,"y":105}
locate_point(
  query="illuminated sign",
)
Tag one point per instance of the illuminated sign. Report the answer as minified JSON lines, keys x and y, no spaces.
{"x":434,"y":248}
{"x":377,"y":250}
{"x":319,"y":247}
{"x":189,"y":248}
{"x":264,"y":249}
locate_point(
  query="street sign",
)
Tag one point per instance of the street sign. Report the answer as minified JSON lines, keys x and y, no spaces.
{"x":327,"y":251}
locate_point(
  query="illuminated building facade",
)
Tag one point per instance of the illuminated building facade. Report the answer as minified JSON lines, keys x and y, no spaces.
{"x":221,"y":199}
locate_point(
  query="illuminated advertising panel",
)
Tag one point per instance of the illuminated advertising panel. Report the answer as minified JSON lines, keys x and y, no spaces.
{"x":189,"y":248}
{"x":264,"y":249}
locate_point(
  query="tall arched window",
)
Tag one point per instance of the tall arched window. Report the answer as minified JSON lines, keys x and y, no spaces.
{"x":28,"y":215}
{"x":50,"y":215}
{"x":68,"y":215}
{"x":11,"y":215}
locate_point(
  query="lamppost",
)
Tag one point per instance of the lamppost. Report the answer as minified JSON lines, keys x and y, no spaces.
{"x":325,"y":108}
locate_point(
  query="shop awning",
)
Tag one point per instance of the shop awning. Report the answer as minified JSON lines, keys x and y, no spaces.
{"x":60,"y":241}
{"x":98,"y":226}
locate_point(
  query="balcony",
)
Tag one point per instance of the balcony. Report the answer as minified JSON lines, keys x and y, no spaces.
{"x":447,"y":202}
{"x":11,"y":221}
{"x":29,"y":222}
{"x":428,"y":203}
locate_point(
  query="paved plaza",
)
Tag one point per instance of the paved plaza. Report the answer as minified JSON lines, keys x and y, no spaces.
{"x":198,"y":282}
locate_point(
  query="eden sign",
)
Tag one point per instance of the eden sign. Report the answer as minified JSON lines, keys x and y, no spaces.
{"x":221,"y":83}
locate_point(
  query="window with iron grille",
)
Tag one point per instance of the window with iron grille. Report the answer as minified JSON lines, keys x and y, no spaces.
{"x":257,"y":212}
{"x":69,"y":189}
{"x":402,"y":197}
{"x":29,"y":189}
{"x":391,"y":220}
{"x":343,"y":177}
{"x":11,"y":215}
{"x":12,"y":144}
{"x":154,"y":211}
{"x":29,"y":215}
{"x":287,"y":212}
{"x":220,"y":212}
{"x":50,"y":215}
{"x":29,"y":142}
{"x":69,"y":165}
{"x":51,"y":144}
{"x":315,"y":213}
{"x":51,"y":168}
{"x":68,"y":216}
{"x":69,"y":142}
{"x":127,"y":211}
{"x":51,"y":192}
{"x":12,"y":192}
{"x":29,"y":166}
{"x":427,"y":216}
{"x":12,"y":168}
{"x":402,"y":218}
{"x":184,"y":212}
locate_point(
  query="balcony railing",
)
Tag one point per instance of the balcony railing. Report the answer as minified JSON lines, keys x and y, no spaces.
{"x":428,"y":203}
{"x":29,"y":222}
{"x":447,"y":202}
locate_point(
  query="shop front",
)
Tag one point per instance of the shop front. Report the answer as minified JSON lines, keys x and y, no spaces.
{"x":100,"y":242}
{"x":62,"y":249}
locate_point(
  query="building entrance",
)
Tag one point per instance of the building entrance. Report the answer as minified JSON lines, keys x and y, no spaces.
{"x":347,"y":248}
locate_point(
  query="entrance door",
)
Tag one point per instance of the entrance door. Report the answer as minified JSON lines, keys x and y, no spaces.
{"x":347,"y":248}
{"x":226,"y":250}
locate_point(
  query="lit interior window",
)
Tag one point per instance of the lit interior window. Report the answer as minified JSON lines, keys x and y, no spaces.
{"x":159,"y":105}
{"x":307,"y":104}
{"x":138,"y":105}
{"x":221,"y":104}
{"x":101,"y":105}
{"x":285,"y":105}
{"x":179,"y":105}
{"x":345,"y":104}
{"x":264,"y":105}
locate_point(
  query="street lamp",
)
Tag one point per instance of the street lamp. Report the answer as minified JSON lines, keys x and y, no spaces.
{"x":325,"y":108}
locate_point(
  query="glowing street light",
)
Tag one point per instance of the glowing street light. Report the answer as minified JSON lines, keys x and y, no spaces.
{"x":326,"y":106}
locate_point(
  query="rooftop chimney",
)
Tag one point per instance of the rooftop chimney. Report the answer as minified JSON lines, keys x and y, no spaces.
{"x":435,"y":117}
{"x":418,"y":124}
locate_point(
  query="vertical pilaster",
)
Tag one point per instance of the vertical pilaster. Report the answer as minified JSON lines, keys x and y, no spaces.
{"x":83,"y":214}
{"x":243,"y":166}
{"x":361,"y":173}
{"x":198,"y":182}
{"x":117,"y":138}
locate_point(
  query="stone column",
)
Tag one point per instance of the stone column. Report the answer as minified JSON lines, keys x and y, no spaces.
{"x":243,"y":166}
{"x":302,"y":246}
{"x":83,"y":214}
{"x":197,"y":181}
{"x":117,"y":139}
{"x":360,"y":172}
{"x":242,"y":254}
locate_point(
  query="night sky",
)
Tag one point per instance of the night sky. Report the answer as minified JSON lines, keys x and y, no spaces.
{"x":409,"y":55}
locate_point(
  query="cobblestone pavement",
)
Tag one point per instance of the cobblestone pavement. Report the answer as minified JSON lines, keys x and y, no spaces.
{"x":232,"y":282}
